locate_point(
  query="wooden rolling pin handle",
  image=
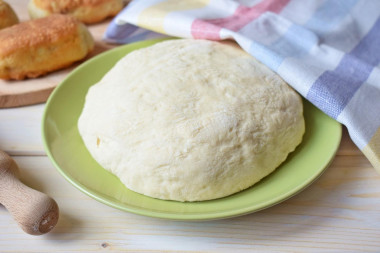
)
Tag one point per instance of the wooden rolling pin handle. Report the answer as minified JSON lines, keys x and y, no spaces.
{"x":35,"y":212}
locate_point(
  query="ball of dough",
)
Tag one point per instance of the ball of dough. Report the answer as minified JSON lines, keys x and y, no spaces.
{"x":190,"y":120}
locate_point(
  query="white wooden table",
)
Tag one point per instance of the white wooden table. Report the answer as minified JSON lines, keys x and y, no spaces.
{"x":340,"y":212}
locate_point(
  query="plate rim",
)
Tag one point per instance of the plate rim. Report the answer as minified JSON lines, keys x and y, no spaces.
{"x":166,"y":215}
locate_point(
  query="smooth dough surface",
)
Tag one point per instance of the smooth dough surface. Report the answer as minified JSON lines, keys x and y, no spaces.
{"x":191,"y":120}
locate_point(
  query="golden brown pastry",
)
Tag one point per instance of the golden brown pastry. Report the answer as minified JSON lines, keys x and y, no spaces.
{"x":7,"y":16}
{"x":34,"y":48}
{"x":87,"y":11}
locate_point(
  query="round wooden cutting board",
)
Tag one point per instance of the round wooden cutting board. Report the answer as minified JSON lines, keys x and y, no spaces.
{"x":29,"y":91}
{"x":34,"y":91}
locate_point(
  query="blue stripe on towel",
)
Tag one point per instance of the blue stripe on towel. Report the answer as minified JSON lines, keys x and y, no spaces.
{"x":334,"y":89}
{"x":299,"y":40}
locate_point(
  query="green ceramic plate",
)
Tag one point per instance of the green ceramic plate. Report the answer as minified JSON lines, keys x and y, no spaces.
{"x":65,"y":148}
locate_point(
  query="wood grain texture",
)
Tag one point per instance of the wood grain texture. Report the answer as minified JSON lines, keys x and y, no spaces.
{"x":29,"y":91}
{"x":32,"y":91}
{"x":35,"y":212}
{"x":20,"y":130}
{"x":338,"y":213}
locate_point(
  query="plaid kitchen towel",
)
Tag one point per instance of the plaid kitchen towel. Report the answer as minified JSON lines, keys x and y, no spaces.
{"x":328,"y":50}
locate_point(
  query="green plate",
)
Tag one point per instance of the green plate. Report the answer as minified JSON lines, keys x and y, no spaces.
{"x":65,"y":148}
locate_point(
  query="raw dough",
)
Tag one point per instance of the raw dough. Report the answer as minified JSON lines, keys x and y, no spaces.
{"x":191,"y":120}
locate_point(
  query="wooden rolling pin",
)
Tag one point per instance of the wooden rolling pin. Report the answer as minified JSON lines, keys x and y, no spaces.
{"x":35,"y":212}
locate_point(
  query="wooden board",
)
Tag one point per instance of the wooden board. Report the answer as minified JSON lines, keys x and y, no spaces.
{"x":33,"y":91}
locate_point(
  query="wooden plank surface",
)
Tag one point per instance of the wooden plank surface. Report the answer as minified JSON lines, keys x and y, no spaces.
{"x":338,"y":213}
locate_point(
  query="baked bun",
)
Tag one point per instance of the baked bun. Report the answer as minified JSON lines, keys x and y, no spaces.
{"x":34,"y":48}
{"x":7,"y":16}
{"x":87,"y":11}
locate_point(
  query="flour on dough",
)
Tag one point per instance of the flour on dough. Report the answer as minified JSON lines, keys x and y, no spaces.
{"x":191,"y":120}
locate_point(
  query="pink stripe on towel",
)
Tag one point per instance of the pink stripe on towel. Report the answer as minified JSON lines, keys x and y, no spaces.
{"x":210,"y":28}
